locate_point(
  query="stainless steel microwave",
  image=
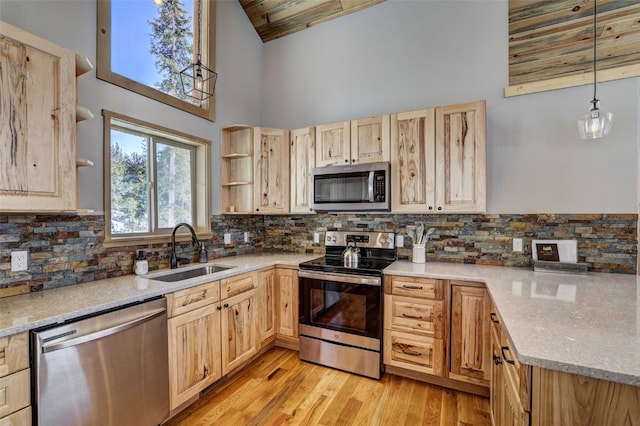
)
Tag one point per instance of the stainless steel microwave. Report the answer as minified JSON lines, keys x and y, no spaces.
{"x":361,"y":187}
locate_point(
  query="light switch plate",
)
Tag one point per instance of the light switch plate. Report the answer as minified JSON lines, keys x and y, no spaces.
{"x":246,"y":237}
{"x":399,"y":240}
{"x":227,"y":238}
{"x":316,"y":237}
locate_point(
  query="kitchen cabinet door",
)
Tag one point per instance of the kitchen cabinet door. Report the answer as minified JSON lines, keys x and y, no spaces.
{"x":470,"y":333}
{"x":239,"y":330}
{"x":38,"y":115}
{"x":194,"y":353}
{"x":370,"y":139}
{"x":271,"y":171}
{"x":303,"y":160}
{"x":461,"y":158}
{"x":333,"y":144}
{"x":413,"y":161}
{"x":496,"y":388}
{"x":267,"y":307}
{"x":287,"y":303}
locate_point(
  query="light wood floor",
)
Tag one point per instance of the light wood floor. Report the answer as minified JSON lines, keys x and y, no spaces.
{"x":278,"y":389}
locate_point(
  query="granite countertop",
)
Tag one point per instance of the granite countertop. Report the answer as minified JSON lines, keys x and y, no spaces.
{"x":585,"y":324}
{"x":28,"y":311}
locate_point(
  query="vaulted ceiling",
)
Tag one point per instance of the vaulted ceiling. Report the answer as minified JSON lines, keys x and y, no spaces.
{"x":277,"y":18}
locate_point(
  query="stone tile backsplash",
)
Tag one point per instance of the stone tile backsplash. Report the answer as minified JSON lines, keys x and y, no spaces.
{"x":67,"y":249}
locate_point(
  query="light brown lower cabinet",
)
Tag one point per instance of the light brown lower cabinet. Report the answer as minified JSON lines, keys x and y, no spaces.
{"x":15,"y":376}
{"x":238,"y":326}
{"x":470,"y":333}
{"x":287,"y":307}
{"x":522,"y":395}
{"x":194,"y":353}
{"x":212,"y":331}
{"x":414,"y":324}
{"x":267,"y":307}
{"x":440,"y":329}
{"x":510,"y":398}
{"x":560,"y":398}
{"x":195,"y":359}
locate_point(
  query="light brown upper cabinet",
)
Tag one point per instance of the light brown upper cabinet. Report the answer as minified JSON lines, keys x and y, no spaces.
{"x":364,"y":140}
{"x":271,"y":176}
{"x":38,"y":115}
{"x":438,"y":159}
{"x":253,"y":177}
{"x":302,"y":149}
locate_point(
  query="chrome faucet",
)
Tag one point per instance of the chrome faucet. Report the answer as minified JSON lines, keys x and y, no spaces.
{"x":194,"y":241}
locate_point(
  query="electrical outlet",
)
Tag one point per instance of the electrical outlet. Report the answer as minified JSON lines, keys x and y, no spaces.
{"x":19,"y":260}
{"x":227,"y":238}
{"x":399,"y":240}
{"x":316,"y":237}
{"x":246,"y":237}
{"x":517,"y":244}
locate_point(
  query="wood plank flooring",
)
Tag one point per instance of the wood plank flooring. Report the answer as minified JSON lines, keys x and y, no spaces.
{"x":278,"y":389}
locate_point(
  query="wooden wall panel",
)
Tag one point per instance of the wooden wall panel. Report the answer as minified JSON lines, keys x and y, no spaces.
{"x":551,"y":43}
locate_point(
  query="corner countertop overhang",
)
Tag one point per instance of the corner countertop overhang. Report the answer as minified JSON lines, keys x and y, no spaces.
{"x":584,"y":324}
{"x":587,"y":324}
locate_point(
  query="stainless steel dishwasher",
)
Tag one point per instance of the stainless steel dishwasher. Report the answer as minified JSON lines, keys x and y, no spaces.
{"x":109,"y":369}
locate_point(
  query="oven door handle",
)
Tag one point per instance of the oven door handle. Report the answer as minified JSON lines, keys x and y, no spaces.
{"x":342,"y":278}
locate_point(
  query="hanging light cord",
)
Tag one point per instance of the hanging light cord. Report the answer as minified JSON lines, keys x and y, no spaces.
{"x":595,"y":12}
{"x":199,"y":40}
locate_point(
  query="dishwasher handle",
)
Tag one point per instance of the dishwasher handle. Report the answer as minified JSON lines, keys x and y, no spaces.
{"x":51,"y":347}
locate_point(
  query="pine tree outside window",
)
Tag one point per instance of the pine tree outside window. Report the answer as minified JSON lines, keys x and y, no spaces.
{"x":143,"y":45}
{"x":155,"y":178}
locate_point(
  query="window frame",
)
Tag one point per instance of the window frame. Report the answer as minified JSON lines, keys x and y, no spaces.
{"x":104,"y":72}
{"x":201,"y":183}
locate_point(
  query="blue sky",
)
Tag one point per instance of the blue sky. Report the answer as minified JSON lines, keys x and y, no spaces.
{"x":130,"y":40}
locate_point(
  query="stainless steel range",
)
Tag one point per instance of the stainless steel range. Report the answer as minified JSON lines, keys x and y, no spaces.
{"x":341,"y":302}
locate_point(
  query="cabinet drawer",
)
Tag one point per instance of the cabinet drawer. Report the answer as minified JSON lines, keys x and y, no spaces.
{"x":19,"y":418}
{"x":192,"y":298}
{"x":416,"y":287}
{"x":414,"y":315}
{"x":15,"y":393}
{"x":14,"y":353}
{"x":516,"y":374}
{"x":239,"y":284}
{"x":417,"y":353}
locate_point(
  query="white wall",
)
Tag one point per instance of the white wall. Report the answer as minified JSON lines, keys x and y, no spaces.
{"x":239,"y":63}
{"x":395,"y":56}
{"x":407,"y":54}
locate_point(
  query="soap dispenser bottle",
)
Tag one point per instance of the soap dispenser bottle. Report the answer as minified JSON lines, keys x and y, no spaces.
{"x":142,"y":266}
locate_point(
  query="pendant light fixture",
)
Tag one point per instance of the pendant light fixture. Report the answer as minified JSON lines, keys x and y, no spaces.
{"x":198,"y":81}
{"x":596,"y":123}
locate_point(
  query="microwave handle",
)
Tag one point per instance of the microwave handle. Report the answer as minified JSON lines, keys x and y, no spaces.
{"x":371,"y":175}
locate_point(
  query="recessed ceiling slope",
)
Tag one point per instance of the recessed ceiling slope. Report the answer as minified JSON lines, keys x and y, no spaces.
{"x":277,"y":18}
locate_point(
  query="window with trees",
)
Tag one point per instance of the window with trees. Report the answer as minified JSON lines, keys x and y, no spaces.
{"x":155,"y":178}
{"x":144,"y":44}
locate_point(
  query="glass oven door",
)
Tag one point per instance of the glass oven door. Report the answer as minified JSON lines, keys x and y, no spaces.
{"x":341,"y":302}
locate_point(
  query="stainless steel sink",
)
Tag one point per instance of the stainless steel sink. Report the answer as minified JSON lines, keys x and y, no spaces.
{"x":190,"y":273}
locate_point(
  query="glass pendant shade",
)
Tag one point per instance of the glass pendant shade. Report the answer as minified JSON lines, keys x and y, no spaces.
{"x":596,"y":124}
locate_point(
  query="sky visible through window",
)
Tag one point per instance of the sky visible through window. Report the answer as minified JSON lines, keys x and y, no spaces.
{"x":130,"y":39}
{"x":130,"y":43}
